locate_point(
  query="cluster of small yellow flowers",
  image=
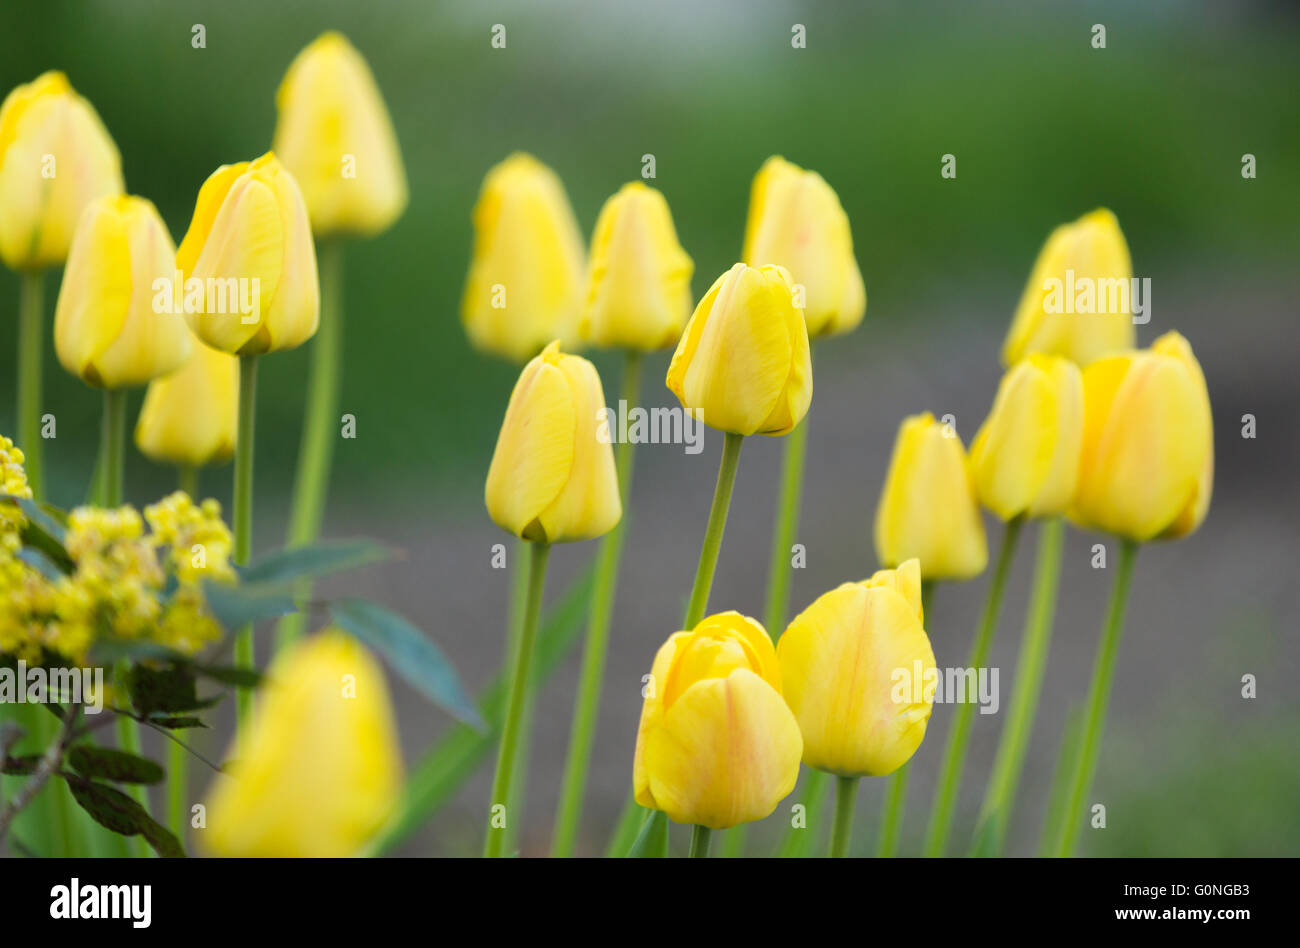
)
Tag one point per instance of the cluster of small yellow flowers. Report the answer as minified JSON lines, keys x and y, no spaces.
{"x":199,"y":539}
{"x":13,"y":481}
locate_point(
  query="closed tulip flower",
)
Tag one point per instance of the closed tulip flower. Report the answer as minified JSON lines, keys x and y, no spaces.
{"x":552,"y":478}
{"x":1025,"y":457}
{"x":55,"y":158}
{"x":250,"y":247}
{"x":796,"y":220}
{"x":320,"y":769}
{"x":335,"y":136}
{"x":526,"y":276}
{"x":1147,"y":465}
{"x":717,"y":745}
{"x":106,"y":330}
{"x":639,"y":277}
{"x":743,"y":364}
{"x":1090,"y":249}
{"x":927,"y":509}
{"x":854,"y":666}
{"x":190,"y":417}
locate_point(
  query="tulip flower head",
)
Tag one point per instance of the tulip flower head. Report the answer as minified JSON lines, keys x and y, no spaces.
{"x":320,"y":770}
{"x":639,"y":277}
{"x":526,"y":275}
{"x":842,"y":661}
{"x":55,"y":158}
{"x":742,"y":365}
{"x":552,"y":478}
{"x":717,"y":745}
{"x":1146,"y":470}
{"x":335,"y":136}
{"x":1025,"y":457}
{"x":191,"y":417}
{"x":796,"y":220}
{"x":927,"y":509}
{"x":106,"y":329}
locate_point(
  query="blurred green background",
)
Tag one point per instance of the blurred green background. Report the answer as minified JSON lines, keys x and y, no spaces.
{"x":1044,"y":127}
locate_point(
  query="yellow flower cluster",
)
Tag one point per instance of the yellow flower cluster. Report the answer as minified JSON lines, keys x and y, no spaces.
{"x":13,"y":482}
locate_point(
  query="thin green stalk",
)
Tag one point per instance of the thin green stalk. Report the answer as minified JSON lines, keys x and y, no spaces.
{"x":1103,"y":674}
{"x":112,"y":445}
{"x":891,"y":820}
{"x":1000,"y":796}
{"x":128,"y":740}
{"x":187,"y":477}
{"x":178,"y":759}
{"x":523,"y":743}
{"x":945,"y":799}
{"x":320,"y":424}
{"x":31,"y":356}
{"x":783,"y":534}
{"x":243,"y":516}
{"x":846,"y":795}
{"x":798,"y":841}
{"x":519,"y":688}
{"x":700,"y":837}
{"x":585,"y":710}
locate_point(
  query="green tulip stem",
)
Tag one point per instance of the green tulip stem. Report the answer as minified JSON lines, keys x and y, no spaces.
{"x":945,"y":799}
{"x":783,"y":535}
{"x":243,"y":515}
{"x":31,"y":355}
{"x":891,"y":820}
{"x":701,"y":836}
{"x":585,"y":710}
{"x":699,"y":601}
{"x":320,"y":424}
{"x":846,"y":796}
{"x":187,"y":479}
{"x":519,"y":688}
{"x":178,"y":759}
{"x":112,"y":445}
{"x":1103,"y":674}
{"x":1000,"y":796}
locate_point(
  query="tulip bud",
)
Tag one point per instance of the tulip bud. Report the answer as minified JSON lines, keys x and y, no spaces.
{"x":1147,"y":465}
{"x":927,"y":509}
{"x":191,"y":417}
{"x":854,"y":665}
{"x":1090,"y":248}
{"x":552,"y":478}
{"x":639,"y":277}
{"x":335,"y":136}
{"x":319,"y":772}
{"x":796,"y":220}
{"x":526,"y":275}
{"x":716,"y":745}
{"x":106,"y":329}
{"x":249,"y":248}
{"x":55,"y":158}
{"x":1025,"y":458}
{"x":742,"y":365}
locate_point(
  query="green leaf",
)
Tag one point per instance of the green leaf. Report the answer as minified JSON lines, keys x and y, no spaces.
{"x":43,"y":531}
{"x":237,"y":605}
{"x":168,"y":689}
{"x":176,"y":723}
{"x":40,"y":561}
{"x":21,"y":766}
{"x":116,"y":811}
{"x":108,"y":651}
{"x":228,"y":675}
{"x":652,"y":841}
{"x":412,"y":655}
{"x":316,"y":560}
{"x":115,"y":765}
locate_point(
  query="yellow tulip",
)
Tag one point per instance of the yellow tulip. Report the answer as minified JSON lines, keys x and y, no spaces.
{"x":249,"y":242}
{"x":526,"y":275}
{"x":107,"y":331}
{"x":320,"y":770}
{"x":927,"y":509}
{"x":854,"y":665}
{"x":639,"y":277}
{"x":1092,"y":247}
{"x":716,"y":745}
{"x":191,"y":417}
{"x":552,"y":477}
{"x":742,"y":365}
{"x":796,"y":220}
{"x":1147,"y":465}
{"x":55,"y":158}
{"x":1025,"y":457}
{"x":335,"y":136}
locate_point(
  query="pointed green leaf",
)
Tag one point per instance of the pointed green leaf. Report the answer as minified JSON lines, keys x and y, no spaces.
{"x":316,"y":560}
{"x":115,"y":765}
{"x":236,"y":606}
{"x":652,"y":841}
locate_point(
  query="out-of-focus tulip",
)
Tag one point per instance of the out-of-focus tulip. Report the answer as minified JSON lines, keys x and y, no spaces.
{"x":552,"y":478}
{"x":320,"y":770}
{"x":1147,"y":465}
{"x":855,"y":665}
{"x":526,"y":275}
{"x":250,"y":248}
{"x":55,"y":158}
{"x":191,"y":417}
{"x":1092,"y":248}
{"x":717,"y":744}
{"x":927,"y":509}
{"x":639,"y":277}
{"x":742,"y":365}
{"x":107,"y":331}
{"x":796,"y":220}
{"x":1025,"y":457}
{"x":335,"y":136}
